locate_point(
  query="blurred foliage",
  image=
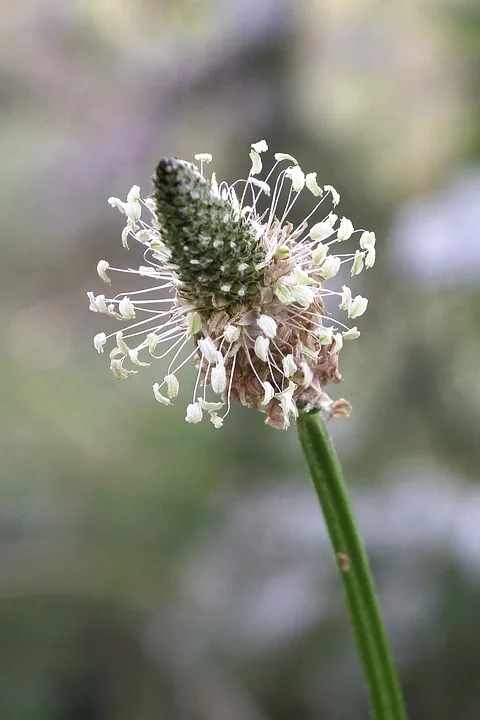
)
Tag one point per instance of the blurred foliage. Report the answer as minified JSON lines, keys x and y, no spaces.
{"x":153,"y":569}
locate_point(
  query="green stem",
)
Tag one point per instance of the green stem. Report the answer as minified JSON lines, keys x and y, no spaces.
{"x":379,"y":669}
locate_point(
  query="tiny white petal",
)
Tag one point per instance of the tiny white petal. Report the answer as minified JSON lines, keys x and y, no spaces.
{"x":289,"y":366}
{"x":268,"y":325}
{"x":335,"y":194}
{"x":102,"y":268}
{"x":261,"y":347}
{"x":297,"y":177}
{"x":194,"y":323}
{"x":346,"y":298}
{"x":218,"y":378}
{"x":325,"y":335}
{"x":330,"y":267}
{"x":345,"y":229}
{"x":231,"y":333}
{"x":173,"y":386}
{"x":337,"y":344}
{"x":358,"y":307}
{"x":285,"y":156}
{"x":351,"y":334}
{"x":204,"y":157}
{"x":303,"y":295}
{"x":158,"y":395}
{"x":208,"y":350}
{"x":256,"y":163}
{"x":99,"y":341}
{"x":194,"y":413}
{"x":260,"y":146}
{"x":126,"y":308}
{"x":311,"y":183}
{"x":269,"y":392}
{"x":357,"y":265}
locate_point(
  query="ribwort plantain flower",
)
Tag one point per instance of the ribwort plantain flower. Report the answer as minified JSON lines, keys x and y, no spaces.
{"x":236,"y":288}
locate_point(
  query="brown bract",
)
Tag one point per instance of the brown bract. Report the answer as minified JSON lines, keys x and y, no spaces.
{"x":297,"y":335}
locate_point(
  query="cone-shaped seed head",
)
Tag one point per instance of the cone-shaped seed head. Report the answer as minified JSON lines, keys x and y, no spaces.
{"x":213,"y":249}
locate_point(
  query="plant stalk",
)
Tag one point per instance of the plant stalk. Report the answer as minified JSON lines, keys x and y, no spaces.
{"x":378,"y":666}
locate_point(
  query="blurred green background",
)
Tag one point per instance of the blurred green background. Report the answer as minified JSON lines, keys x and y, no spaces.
{"x":152,"y":569}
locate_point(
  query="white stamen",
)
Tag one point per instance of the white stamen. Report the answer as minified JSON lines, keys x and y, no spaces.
{"x":357,"y":265}
{"x":260,"y":146}
{"x":311,"y":183}
{"x":218,"y":379}
{"x":194,"y":323}
{"x":297,"y":177}
{"x":268,"y":325}
{"x":330,"y":267}
{"x":208,"y":350}
{"x":358,"y":307}
{"x":194,"y":413}
{"x":269,"y":392}
{"x":99,"y":341}
{"x":346,"y":298}
{"x":289,"y":366}
{"x":345,"y":229}
{"x":102,"y":268}
{"x":261,"y":347}
{"x":335,"y":194}
{"x":203,"y":157}
{"x":351,"y":334}
{"x":173,"y":386}
{"x":231,"y":333}
{"x":126,"y":308}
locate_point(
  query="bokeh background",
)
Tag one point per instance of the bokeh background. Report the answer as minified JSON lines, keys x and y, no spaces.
{"x":152,"y":569}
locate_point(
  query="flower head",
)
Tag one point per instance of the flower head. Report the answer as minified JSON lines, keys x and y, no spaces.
{"x":234,"y":287}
